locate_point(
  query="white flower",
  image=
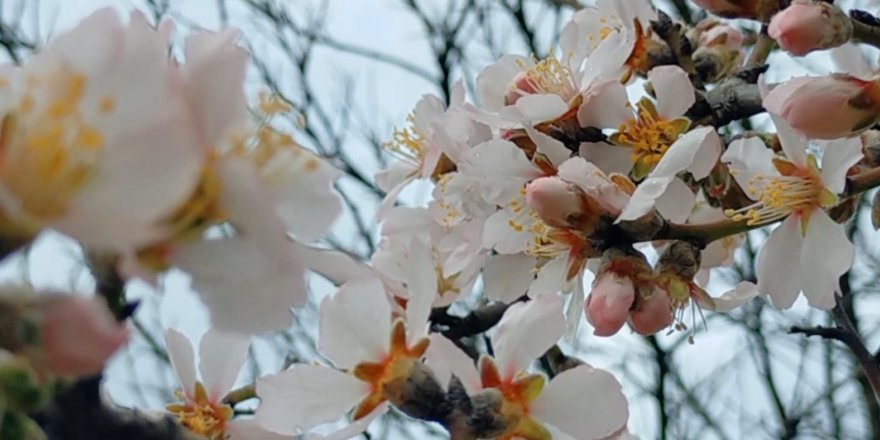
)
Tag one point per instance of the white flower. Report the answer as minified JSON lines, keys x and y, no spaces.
{"x":809,"y":251}
{"x":580,"y":403}
{"x":202,"y":411}
{"x":358,"y":334}
{"x":87,"y":153}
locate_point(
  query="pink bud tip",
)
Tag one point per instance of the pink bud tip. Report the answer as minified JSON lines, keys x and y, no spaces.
{"x":609,"y":303}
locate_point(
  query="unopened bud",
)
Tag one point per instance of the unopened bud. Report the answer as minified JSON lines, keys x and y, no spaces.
{"x":652,"y":313}
{"x":808,"y":25}
{"x":681,"y":258}
{"x":826,"y":107}
{"x":78,"y":335}
{"x":614,"y":291}
{"x":719,"y":52}
{"x":562,"y":204}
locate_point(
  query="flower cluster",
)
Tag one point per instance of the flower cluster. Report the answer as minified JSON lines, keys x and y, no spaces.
{"x":600,"y":164}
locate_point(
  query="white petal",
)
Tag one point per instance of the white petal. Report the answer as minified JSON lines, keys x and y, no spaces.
{"x":609,"y":158}
{"x":826,"y":255}
{"x":354,"y":428}
{"x":793,"y":143}
{"x":574,"y":311}
{"x":422,"y":285}
{"x":507,"y":277}
{"x":306,"y":396}
{"x":606,"y":62}
{"x":675,"y":93}
{"x":741,"y":294}
{"x":535,"y":108}
{"x":749,"y":154}
{"x":249,"y":429}
{"x":526,"y":331}
{"x":778,"y":270}
{"x":355,"y":323}
{"x":494,"y":80}
{"x":677,"y":201}
{"x":546,"y":145}
{"x":644,"y":198}
{"x":406,"y":220}
{"x":499,"y":159}
{"x":245,"y":290}
{"x":849,"y":59}
{"x":180,"y":351}
{"x":838,"y":157}
{"x":445,"y":359}
{"x":550,"y":277}
{"x":498,"y":233}
{"x":584,"y":402}
{"x":605,"y":105}
{"x":336,"y":266}
{"x":221,"y":357}
{"x":307,"y":202}
{"x":696,"y":151}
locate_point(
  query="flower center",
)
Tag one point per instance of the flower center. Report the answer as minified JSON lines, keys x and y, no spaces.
{"x":547,"y":77}
{"x":649,"y":136}
{"x":49,"y":152}
{"x":517,"y":393}
{"x":798,"y":192}
{"x":202,"y":417}
{"x":409,"y":143}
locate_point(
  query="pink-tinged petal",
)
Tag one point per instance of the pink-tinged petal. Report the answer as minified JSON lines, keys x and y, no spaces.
{"x":644,"y":198}
{"x":391,"y":197}
{"x":526,"y":331}
{"x":606,"y":105}
{"x":793,"y":143}
{"x":550,"y":277}
{"x":838,"y":157}
{"x":609,"y":303}
{"x":353,"y":429}
{"x":406,"y":220}
{"x":303,"y":187}
{"x":677,"y":202}
{"x":826,"y":255}
{"x":535,"y":108}
{"x":574,"y":310}
{"x":507,"y":277}
{"x":221,"y":358}
{"x":305,"y":396}
{"x":652,"y":314}
{"x":739,"y":295}
{"x":849,"y":59}
{"x":584,"y":402}
{"x":546,"y":145}
{"x":396,"y":173}
{"x":778,"y":272}
{"x":609,"y":158}
{"x":422,"y":286}
{"x":494,"y":80}
{"x":246,"y":290}
{"x":94,"y":44}
{"x":213,"y":63}
{"x":355,"y":323}
{"x":674,"y":91}
{"x":180,"y":352}
{"x":445,"y":359}
{"x":696,"y":151}
{"x":336,"y":266}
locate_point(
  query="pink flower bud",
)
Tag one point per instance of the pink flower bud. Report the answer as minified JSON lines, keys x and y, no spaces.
{"x":78,"y":336}
{"x":722,"y":35}
{"x":609,"y":302}
{"x":806,"y":26}
{"x":827,"y":107}
{"x":563,"y":205}
{"x":652,"y":314}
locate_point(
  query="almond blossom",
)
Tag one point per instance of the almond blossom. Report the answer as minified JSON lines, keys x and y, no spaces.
{"x":810,"y":248}
{"x":805,"y":26}
{"x":582,"y":402}
{"x":202,"y":409}
{"x":83,"y":149}
{"x":373,"y":351}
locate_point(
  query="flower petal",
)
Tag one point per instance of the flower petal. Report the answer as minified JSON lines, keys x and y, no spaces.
{"x":422,"y":286}
{"x":677,"y":201}
{"x":826,"y":255}
{"x":741,"y":294}
{"x":180,"y":352}
{"x":535,"y":108}
{"x":546,"y":145}
{"x":644,"y":198}
{"x":526,"y":331}
{"x":507,"y":277}
{"x":583,"y":402}
{"x":354,"y":428}
{"x":336,"y":266}
{"x":306,"y":396}
{"x":355,"y":323}
{"x":494,"y":80}
{"x":696,"y":151}
{"x":675,"y":93}
{"x":221,"y":357}
{"x":838,"y":157}
{"x":609,"y":158}
{"x":606,"y":105}
{"x":793,"y":143}
{"x":778,"y":273}
{"x":445,"y":360}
